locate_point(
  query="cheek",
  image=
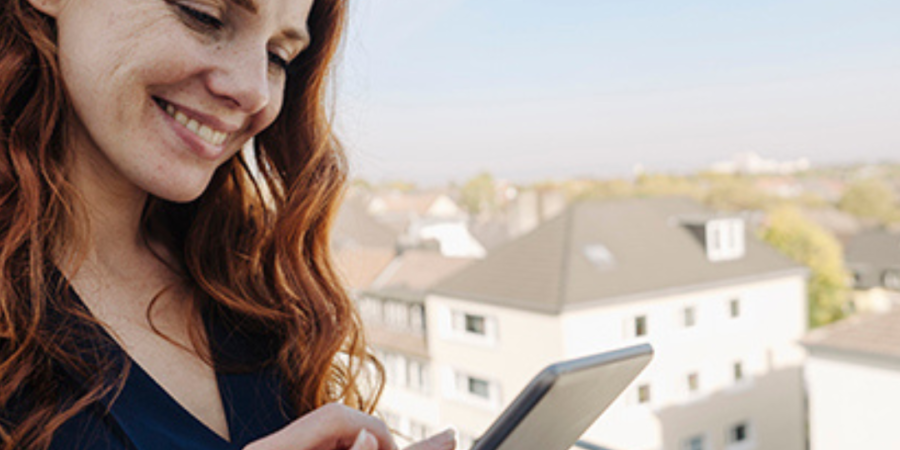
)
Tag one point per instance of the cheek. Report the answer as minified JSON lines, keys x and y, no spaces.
{"x":267,"y":116}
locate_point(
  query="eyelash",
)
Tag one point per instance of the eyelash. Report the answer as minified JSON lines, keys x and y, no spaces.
{"x":212,"y":23}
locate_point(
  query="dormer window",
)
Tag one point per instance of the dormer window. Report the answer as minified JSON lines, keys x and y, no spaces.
{"x":724,"y":239}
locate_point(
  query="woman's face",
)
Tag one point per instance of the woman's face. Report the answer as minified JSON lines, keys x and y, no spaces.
{"x":164,"y":91}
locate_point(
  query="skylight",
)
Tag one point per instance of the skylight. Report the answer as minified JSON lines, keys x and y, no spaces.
{"x":599,"y":256}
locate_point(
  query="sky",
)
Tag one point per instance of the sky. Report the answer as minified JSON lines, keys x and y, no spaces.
{"x":435,"y":91}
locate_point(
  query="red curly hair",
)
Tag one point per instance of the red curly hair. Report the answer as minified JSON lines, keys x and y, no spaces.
{"x":262,"y":260}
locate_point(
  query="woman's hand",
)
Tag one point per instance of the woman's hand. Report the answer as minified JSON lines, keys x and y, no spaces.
{"x":338,"y":427}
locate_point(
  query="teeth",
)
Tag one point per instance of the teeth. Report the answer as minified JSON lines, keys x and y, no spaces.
{"x":206,"y":133}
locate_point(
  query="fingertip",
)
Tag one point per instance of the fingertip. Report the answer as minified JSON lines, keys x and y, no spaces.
{"x":365,"y":441}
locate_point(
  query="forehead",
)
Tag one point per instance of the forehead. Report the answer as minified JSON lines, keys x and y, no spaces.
{"x":288,"y":14}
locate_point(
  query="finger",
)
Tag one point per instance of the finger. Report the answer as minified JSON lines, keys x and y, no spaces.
{"x":443,"y":441}
{"x":332,"y":426}
{"x":365,"y":441}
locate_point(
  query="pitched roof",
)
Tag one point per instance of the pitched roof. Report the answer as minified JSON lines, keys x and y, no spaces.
{"x":354,"y":227}
{"x":414,"y":272}
{"x":360,"y":266}
{"x":639,"y":247}
{"x":871,"y":252}
{"x":872,"y":334}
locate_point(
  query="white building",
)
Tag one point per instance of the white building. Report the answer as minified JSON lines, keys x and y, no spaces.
{"x":427,"y":218}
{"x":853,"y":378}
{"x":723,"y":311}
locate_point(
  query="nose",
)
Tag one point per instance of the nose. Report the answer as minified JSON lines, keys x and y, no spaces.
{"x":241,"y":76}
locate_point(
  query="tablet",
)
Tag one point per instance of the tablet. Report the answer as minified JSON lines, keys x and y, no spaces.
{"x":563,"y":400}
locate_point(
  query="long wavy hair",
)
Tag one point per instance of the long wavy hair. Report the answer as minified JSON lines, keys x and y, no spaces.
{"x":254,"y":246}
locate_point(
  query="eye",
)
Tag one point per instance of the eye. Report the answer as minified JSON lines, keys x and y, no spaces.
{"x":278,"y":61}
{"x":201,"y":18}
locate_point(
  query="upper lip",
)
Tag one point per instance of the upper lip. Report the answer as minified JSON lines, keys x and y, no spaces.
{"x":206,"y":119}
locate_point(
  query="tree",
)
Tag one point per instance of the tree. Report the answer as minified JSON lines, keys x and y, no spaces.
{"x":811,"y":245}
{"x":478,"y":194}
{"x":870,"y":198}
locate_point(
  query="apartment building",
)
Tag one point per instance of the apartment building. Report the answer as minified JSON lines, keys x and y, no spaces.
{"x":853,"y":378}
{"x":724,"y":312}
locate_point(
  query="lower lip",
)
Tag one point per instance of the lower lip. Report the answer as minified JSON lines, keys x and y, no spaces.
{"x":198,"y":146}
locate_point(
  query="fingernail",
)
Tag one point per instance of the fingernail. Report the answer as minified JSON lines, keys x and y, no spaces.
{"x":364,"y":440}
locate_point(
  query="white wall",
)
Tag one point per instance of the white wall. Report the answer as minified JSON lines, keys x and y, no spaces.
{"x":762,"y":338}
{"x":524,"y":344}
{"x":853,"y":403}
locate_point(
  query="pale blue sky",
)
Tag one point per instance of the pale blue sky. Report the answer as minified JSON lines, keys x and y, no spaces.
{"x":436,"y":90}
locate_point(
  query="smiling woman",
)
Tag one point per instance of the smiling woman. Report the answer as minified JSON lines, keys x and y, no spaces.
{"x":151,"y":295}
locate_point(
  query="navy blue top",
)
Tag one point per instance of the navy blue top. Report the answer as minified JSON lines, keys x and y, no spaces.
{"x":143,"y":416}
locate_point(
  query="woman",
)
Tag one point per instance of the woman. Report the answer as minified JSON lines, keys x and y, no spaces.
{"x":157,"y":292}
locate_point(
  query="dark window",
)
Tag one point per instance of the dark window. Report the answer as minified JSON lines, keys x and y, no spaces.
{"x":689,"y":317}
{"x":640,"y":326}
{"x":738,"y":371}
{"x":693,"y":382}
{"x":695,"y":443}
{"x":475,"y":324}
{"x":735,"y":307}
{"x":739,"y":433}
{"x":479,"y":387}
{"x":644,"y":393}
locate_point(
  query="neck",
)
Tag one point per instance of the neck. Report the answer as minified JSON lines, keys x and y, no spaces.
{"x":113,"y":207}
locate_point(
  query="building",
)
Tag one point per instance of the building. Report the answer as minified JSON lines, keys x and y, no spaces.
{"x":427,"y":219}
{"x":853,"y":378}
{"x":723,"y":311}
{"x":874,"y":258}
{"x":393,"y":310}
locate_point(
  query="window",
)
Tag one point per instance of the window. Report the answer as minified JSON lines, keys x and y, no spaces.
{"x":417,"y":318}
{"x":396,"y":315}
{"x":693,"y":381}
{"x":479,"y":388}
{"x":644,"y":393}
{"x":599,"y":256}
{"x":725,"y":239}
{"x":417,"y":375}
{"x":735,"y":308}
{"x":475,"y":389}
{"x":739,"y":433}
{"x":738,"y":371}
{"x":417,"y":431}
{"x":689,"y":317}
{"x":475,"y":324}
{"x":472,"y":327}
{"x":694,"y":443}
{"x":640,"y":326}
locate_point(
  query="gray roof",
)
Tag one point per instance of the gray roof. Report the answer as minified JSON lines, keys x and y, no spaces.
{"x":870,"y":253}
{"x":411,"y":274}
{"x":872,"y":334}
{"x":652,"y":253}
{"x":355,"y":227}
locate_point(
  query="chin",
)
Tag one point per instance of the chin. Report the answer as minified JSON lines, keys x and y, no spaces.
{"x":179,"y":194}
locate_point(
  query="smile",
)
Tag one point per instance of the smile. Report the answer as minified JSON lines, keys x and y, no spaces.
{"x":203,"y":131}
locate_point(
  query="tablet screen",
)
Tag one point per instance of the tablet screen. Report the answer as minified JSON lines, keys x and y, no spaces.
{"x":562,"y":402}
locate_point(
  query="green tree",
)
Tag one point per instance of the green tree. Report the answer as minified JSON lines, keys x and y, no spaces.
{"x":478,"y":194}
{"x":870,"y":198}
{"x":734,"y":193}
{"x":661,"y":185}
{"x":813,"y":246}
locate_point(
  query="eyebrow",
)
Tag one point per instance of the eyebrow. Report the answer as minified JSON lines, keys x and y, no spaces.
{"x":249,"y":5}
{"x":290,"y":33}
